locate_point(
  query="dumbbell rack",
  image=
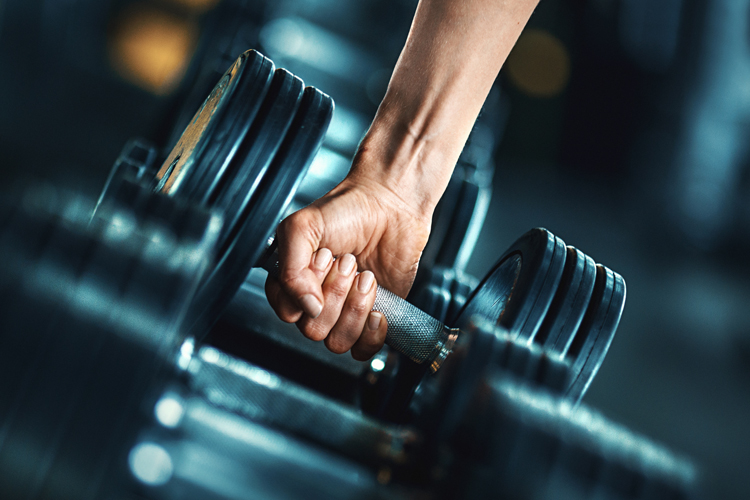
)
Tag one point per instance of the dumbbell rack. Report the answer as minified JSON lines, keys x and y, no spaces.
{"x":168,"y":416}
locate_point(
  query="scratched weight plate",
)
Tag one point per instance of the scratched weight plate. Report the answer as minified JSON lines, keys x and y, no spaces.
{"x":207,"y":146}
{"x":258,"y":222}
{"x":257,"y":151}
{"x":517,"y":293}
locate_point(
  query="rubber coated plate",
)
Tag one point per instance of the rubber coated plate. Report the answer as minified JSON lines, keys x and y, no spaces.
{"x":597,"y":329}
{"x":441,"y":222}
{"x":257,"y":151}
{"x":182,"y":167}
{"x":245,"y":102}
{"x":264,"y":212}
{"x":462,"y":213}
{"x":517,"y":293}
{"x":570,"y":303}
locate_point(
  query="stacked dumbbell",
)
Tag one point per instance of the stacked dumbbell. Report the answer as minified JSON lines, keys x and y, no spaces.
{"x":165,"y":419}
{"x":243,"y":154}
{"x":348,"y":50}
{"x":104,"y":398}
{"x":92,"y":313}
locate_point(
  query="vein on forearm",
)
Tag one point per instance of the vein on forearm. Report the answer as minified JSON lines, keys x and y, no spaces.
{"x":452,"y":55}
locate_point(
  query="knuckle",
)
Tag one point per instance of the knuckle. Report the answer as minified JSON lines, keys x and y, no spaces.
{"x":313,"y":330}
{"x":295,"y":221}
{"x":339,"y":287}
{"x":358,"y":307}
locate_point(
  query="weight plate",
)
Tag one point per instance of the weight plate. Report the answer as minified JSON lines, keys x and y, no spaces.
{"x":92,"y":302}
{"x":264,"y":211}
{"x":570,"y":303}
{"x":440,"y":228}
{"x":182,"y":167}
{"x":518,"y":291}
{"x":256,"y":153}
{"x":461,"y":215}
{"x":594,"y":336}
{"x":244,"y":104}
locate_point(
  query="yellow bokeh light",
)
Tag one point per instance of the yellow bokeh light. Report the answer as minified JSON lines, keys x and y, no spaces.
{"x":539,"y":64}
{"x":152,"y":48}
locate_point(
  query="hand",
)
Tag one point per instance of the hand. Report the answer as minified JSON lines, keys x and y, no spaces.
{"x":379,"y":217}
{"x":368,"y":228}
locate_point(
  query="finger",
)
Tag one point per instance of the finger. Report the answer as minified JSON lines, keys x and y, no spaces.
{"x":301,"y":270}
{"x":373,"y":337}
{"x":284,"y":306}
{"x":354,"y":314}
{"x":336,"y":287}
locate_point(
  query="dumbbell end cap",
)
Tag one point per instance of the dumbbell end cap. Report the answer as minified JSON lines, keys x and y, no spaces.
{"x":443,"y":348}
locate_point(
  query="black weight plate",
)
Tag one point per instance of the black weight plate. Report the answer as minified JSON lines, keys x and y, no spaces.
{"x":594,"y":336}
{"x":570,"y":303}
{"x":182,"y":168}
{"x":458,"y":227}
{"x":441,"y":223}
{"x":518,"y":291}
{"x":264,"y":212}
{"x":244,"y":104}
{"x":258,"y":149}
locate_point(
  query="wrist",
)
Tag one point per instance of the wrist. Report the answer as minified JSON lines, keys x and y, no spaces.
{"x":406,"y":153}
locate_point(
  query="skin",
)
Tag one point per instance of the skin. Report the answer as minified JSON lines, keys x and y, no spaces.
{"x":377,"y":220}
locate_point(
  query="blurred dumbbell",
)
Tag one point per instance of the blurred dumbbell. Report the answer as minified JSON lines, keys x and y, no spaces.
{"x":521,"y":442}
{"x":104,"y":397}
{"x":513,"y":432}
{"x":92,"y":312}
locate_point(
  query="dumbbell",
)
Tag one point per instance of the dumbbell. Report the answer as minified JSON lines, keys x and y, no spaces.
{"x":98,"y":377}
{"x":519,"y":442}
{"x":506,"y":415}
{"x":90,"y":318}
{"x":245,"y":152}
{"x":103,"y":392}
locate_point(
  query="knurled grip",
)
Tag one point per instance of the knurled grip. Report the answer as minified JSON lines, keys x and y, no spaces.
{"x":411,"y":331}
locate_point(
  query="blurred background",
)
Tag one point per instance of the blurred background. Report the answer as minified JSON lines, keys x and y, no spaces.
{"x":619,"y":126}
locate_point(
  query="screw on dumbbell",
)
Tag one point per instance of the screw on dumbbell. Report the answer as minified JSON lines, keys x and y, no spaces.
{"x":245,"y":159}
{"x":243,"y":154}
{"x":91,"y":313}
{"x":522,"y":442}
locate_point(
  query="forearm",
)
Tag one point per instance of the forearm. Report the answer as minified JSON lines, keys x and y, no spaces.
{"x":452,"y":56}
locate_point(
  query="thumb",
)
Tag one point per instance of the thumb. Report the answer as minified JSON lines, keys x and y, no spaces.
{"x":302,"y":267}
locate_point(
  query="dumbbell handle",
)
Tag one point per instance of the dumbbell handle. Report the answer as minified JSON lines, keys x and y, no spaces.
{"x":411,"y":331}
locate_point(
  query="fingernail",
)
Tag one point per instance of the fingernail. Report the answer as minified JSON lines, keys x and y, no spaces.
{"x":366,"y":280}
{"x":373,"y":322}
{"x":322,"y":259}
{"x":348,"y":263}
{"x":311,"y":305}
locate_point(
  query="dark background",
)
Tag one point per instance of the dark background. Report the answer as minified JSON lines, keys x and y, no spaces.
{"x":624,"y":134}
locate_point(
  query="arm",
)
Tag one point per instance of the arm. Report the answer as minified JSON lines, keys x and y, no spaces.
{"x":378,"y":219}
